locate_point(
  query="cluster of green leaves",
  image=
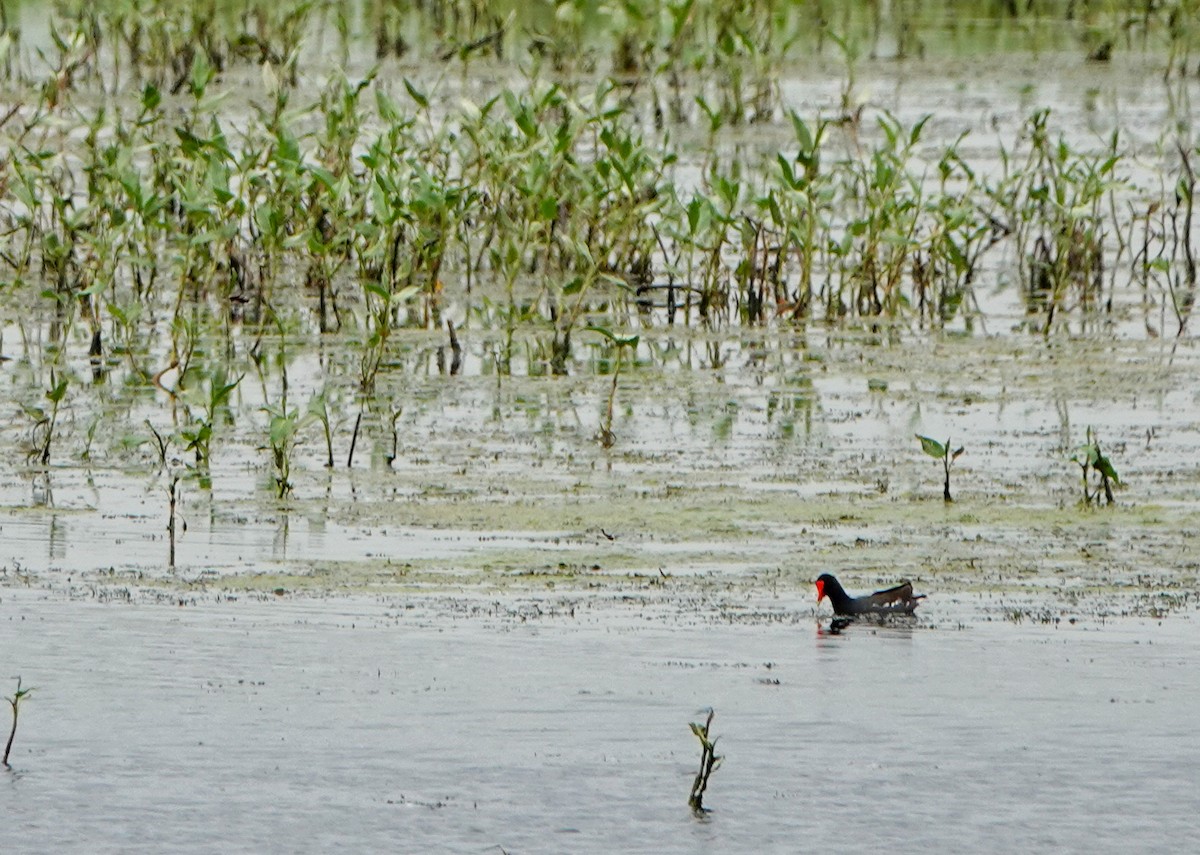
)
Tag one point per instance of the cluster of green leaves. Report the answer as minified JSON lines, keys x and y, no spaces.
{"x":187,"y":236}
{"x":942,"y":451}
{"x":1095,"y":466}
{"x":737,"y":47}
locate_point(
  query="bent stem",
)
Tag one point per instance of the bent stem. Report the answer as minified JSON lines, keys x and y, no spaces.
{"x":15,"y":703}
{"x":709,"y":761}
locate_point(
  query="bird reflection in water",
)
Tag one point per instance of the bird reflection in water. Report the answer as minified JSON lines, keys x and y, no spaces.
{"x":836,"y":626}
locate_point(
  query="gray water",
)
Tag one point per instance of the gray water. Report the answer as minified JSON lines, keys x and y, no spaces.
{"x":301,"y":726}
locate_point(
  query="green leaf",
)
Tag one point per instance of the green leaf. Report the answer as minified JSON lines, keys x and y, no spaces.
{"x":416,"y":94}
{"x":388,"y":111}
{"x":202,"y":73}
{"x":372,"y":287}
{"x":932,"y":447}
{"x":803,"y":135}
{"x":602,"y":331}
{"x":189,"y":143}
{"x":36,"y":414}
{"x":955,"y":255}
{"x":1105,"y":468}
{"x":1087,"y":455}
{"x":324,"y":176}
{"x":58,"y":392}
{"x":915,"y":134}
{"x":151,"y":97}
{"x":281,"y":429}
{"x":789,"y":175}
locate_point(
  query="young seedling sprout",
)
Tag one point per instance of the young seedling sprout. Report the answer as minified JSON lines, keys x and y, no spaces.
{"x":941,"y":452}
{"x":15,"y":703}
{"x":605,"y":435}
{"x":709,"y":761}
{"x":1091,"y":459}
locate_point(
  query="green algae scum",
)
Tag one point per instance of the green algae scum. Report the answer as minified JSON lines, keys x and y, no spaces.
{"x":417,"y":414}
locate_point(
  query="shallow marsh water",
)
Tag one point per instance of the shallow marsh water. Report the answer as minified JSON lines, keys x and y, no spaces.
{"x":307,"y":725}
{"x":453,"y":655}
{"x":496,"y":642}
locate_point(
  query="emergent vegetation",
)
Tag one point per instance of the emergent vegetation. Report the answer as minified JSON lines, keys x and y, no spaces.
{"x":192,"y":193}
{"x":15,"y":703}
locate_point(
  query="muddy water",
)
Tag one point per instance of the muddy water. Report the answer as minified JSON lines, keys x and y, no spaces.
{"x":302,"y":726}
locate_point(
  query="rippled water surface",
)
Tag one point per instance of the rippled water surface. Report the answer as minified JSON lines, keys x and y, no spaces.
{"x":305,"y":726}
{"x":489,"y":633}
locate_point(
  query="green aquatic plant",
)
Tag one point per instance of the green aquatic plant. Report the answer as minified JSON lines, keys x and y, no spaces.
{"x":281,"y":438}
{"x":1057,"y":204}
{"x":15,"y":702}
{"x":942,"y":452}
{"x":605,"y":435}
{"x":45,"y":419}
{"x":318,"y":408}
{"x":206,"y":400}
{"x":1093,"y":462}
{"x":710,"y":761}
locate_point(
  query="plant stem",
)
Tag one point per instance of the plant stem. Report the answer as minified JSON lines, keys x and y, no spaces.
{"x":708,"y":763}
{"x":15,"y":703}
{"x":12,"y":733}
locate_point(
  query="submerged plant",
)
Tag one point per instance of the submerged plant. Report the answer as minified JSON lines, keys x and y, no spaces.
{"x":1092,"y":461}
{"x":709,"y":762}
{"x":15,"y":703}
{"x":941,"y":452}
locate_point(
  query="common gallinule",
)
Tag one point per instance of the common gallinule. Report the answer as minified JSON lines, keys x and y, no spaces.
{"x":899,"y":600}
